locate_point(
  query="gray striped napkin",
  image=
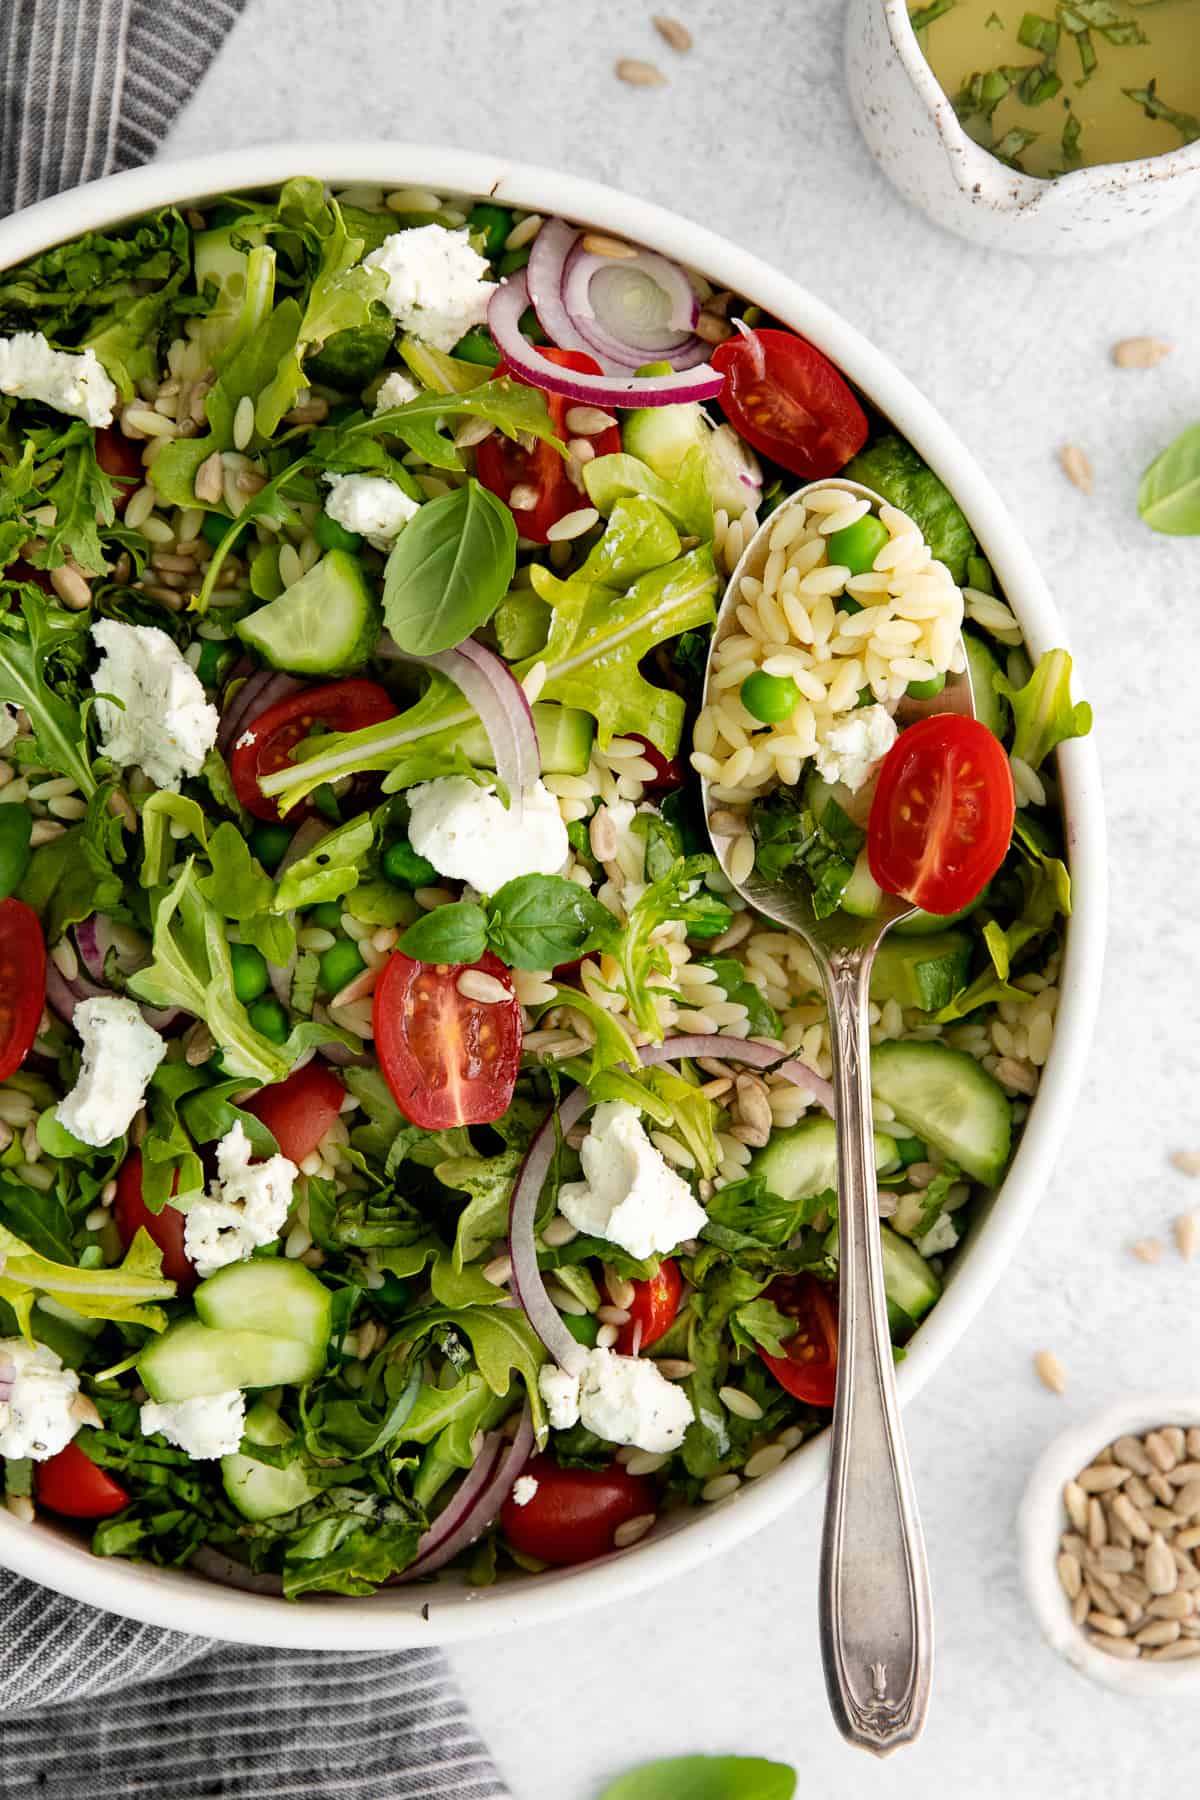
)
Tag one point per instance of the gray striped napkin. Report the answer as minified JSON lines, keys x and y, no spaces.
{"x":93,"y":1704}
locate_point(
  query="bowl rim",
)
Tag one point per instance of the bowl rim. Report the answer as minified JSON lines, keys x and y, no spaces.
{"x":406,"y":1617}
{"x":981,"y":176}
{"x":1040,"y":1520}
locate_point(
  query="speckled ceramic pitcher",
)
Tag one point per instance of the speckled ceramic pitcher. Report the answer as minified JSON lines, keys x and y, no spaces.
{"x":912,"y":132}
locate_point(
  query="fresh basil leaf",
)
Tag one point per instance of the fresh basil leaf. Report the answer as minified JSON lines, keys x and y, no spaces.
{"x":1169,"y":494}
{"x":449,"y":570}
{"x":456,"y":933}
{"x":541,"y":921}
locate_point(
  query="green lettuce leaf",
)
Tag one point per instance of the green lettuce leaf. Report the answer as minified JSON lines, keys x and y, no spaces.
{"x":1043,"y":711}
{"x":509,"y":405}
{"x":705,"y":1778}
{"x":685,"y":498}
{"x":124,"y":1295}
{"x":893,"y":469}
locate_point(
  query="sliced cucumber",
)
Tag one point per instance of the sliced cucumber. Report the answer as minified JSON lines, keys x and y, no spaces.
{"x":564,"y":738}
{"x":923,"y":972}
{"x":801,"y":1160}
{"x":990,"y":708}
{"x":946,"y":1098}
{"x":862,"y":894}
{"x":522,"y":625}
{"x":274,"y":1295}
{"x":256,"y":1489}
{"x":661,"y":436}
{"x":189,"y":1359}
{"x":923,"y":924}
{"x":911,"y":1285}
{"x":327,"y":623}
{"x":216,"y":262}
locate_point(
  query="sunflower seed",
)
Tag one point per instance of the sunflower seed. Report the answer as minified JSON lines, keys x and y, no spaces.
{"x":1102,"y":1600}
{"x":1070,"y":1574}
{"x":1076,"y":466}
{"x":680,"y":38}
{"x":1186,"y":1161}
{"x":1193,"y":1442}
{"x":1124,"y":1648}
{"x":1075,"y":1501}
{"x":1097,"y":1530}
{"x":1124,"y":1509}
{"x":1129,"y":1453}
{"x":1140,"y":352}
{"x":1079,"y":1606}
{"x":1139,"y":1493}
{"x":1184,"y":1472}
{"x":1162,"y":1631}
{"x":1162,"y":1575}
{"x":1160,"y":1452}
{"x":1161,"y":1488}
{"x":1109,"y":1556}
{"x":1178,"y":1605}
{"x":1147,"y":1250}
{"x":1181,"y":1650}
{"x":1050,"y":1371}
{"x":640,"y":74}
{"x":1111,"y":1627}
{"x":1188,"y":1540}
{"x":1117,"y":1533}
{"x":1175,"y":1440}
{"x":1097,"y":1480}
{"x":1187,"y":1234}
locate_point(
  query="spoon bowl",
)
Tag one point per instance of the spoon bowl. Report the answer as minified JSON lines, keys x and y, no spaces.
{"x":875,"y":1607}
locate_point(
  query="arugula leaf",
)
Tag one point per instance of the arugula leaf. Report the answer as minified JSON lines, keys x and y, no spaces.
{"x":710,"y":1777}
{"x":1043,"y":711}
{"x":639,"y":957}
{"x":685,"y":499}
{"x":724,"y":1289}
{"x":70,"y":878}
{"x":892,"y":468}
{"x":1169,"y":494}
{"x":191,"y":969}
{"x":488,"y":1180}
{"x":501,"y":1341}
{"x":124,"y":1294}
{"x":693,"y":1117}
{"x":759,"y":1325}
{"x":638,"y":537}
{"x":747,"y":1212}
{"x":39,"y":1219}
{"x":598,"y":639}
{"x":511,"y":406}
{"x":449,"y":570}
{"x":41,"y":650}
{"x":16,"y":830}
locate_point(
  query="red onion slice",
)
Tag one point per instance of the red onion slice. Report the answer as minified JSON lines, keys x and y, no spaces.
{"x":591,"y":292}
{"x":527,"y":1281}
{"x":505,"y":309}
{"x":544,"y":275}
{"x":488,"y":684}
{"x":473,"y":1516}
{"x":747,"y":1050}
{"x":262,"y":689}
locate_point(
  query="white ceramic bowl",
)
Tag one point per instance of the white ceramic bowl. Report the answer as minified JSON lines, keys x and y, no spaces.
{"x":913,"y":133}
{"x":449,"y":1612}
{"x":1042,"y":1520}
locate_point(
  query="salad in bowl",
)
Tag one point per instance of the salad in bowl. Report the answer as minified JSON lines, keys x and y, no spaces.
{"x":412,"y":1150}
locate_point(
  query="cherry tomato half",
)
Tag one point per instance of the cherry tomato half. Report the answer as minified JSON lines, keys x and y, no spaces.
{"x":300,"y":1110}
{"x":22,"y":983}
{"x":502,"y":465}
{"x":72,"y":1484}
{"x":809,"y":1369}
{"x":120,"y":459}
{"x":267,"y":744}
{"x":166,"y":1227}
{"x":942,"y":817}
{"x":789,"y":401}
{"x":652,"y":1309}
{"x":572,"y":1516}
{"x":447,"y":1059}
{"x":668,"y":770}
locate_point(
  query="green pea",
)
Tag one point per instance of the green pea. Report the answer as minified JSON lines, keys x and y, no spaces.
{"x":340,"y":964}
{"x":270,"y":1018}
{"x":328,"y":915}
{"x":332,"y":536}
{"x":848,"y":604}
{"x":214,"y":527}
{"x":269,"y":842}
{"x":16,"y":828}
{"x":583,"y":1328}
{"x":250,"y":978}
{"x":215,"y":658}
{"x":492,"y":223}
{"x":404,"y":868}
{"x":926,"y":690}
{"x":770,"y":698}
{"x":857,"y":546}
{"x":477,"y":347}
{"x":910,"y":1150}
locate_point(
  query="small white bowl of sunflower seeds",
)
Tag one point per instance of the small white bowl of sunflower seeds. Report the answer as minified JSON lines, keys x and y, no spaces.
{"x":1110,"y":1545}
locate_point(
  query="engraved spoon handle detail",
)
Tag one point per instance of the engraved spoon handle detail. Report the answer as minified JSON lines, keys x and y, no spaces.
{"x":876,"y":1616}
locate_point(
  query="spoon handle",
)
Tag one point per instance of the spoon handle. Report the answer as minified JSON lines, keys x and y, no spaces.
{"x":876,"y":1616}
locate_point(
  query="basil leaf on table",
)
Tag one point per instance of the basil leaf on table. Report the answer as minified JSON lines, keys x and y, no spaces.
{"x":541,"y":921}
{"x":456,"y":933}
{"x":1169,"y":493}
{"x":450,"y":569}
{"x":705,"y":1778}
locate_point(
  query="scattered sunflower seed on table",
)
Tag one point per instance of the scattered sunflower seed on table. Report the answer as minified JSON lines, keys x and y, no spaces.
{"x":1126,"y":1558}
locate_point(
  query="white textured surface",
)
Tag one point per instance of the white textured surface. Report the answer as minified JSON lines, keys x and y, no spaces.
{"x":754,"y":136}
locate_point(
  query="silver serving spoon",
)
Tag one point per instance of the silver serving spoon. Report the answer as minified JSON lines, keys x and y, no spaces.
{"x":876,"y":1616}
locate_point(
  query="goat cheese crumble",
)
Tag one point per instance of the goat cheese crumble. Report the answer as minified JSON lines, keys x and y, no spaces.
{"x":371,"y":505}
{"x":71,"y":382}
{"x":120,"y":1054}
{"x":395,"y":390}
{"x":623,"y":1399}
{"x":164,"y":724}
{"x":207,"y":1426}
{"x":630,"y":1195}
{"x":524,"y":1488}
{"x":468,"y":834}
{"x":36,"y":1419}
{"x":852,"y":747}
{"x":244,"y":1209}
{"x":437,"y":285}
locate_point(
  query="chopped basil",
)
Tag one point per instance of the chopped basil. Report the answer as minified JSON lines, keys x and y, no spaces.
{"x":1010,"y":146}
{"x":925,"y":15}
{"x":1186,"y":124}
